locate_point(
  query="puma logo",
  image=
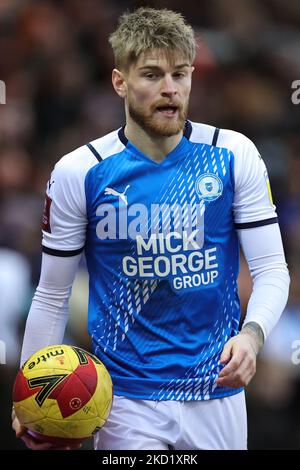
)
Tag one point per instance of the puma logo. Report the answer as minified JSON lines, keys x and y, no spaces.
{"x":116,"y":193}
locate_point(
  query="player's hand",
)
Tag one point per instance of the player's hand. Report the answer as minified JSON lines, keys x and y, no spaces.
{"x":30,"y":442}
{"x":239,"y":355}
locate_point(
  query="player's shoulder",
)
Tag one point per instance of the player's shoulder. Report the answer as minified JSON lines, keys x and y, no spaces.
{"x":80,"y":160}
{"x":202,"y":133}
{"x":108,"y":145}
{"x":234,"y":141}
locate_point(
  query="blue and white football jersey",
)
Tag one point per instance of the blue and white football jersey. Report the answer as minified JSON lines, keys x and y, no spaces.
{"x":162,"y":252}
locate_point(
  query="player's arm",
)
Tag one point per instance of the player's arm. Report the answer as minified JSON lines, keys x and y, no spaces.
{"x":64,"y":232}
{"x":263,"y":250}
{"x":260,"y":239}
{"x":64,"y":229}
{"x":47,"y":318}
{"x":49,"y":312}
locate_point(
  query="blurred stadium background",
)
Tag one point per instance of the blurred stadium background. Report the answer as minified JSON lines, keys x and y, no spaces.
{"x":56,"y":63}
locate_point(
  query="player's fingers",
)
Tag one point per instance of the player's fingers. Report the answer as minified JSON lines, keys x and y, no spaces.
{"x":20,"y":431}
{"x":233,"y":380}
{"x":233,"y":364}
{"x":35,"y":445}
{"x":239,"y":377}
{"x":17,"y":426}
{"x":226,"y":353}
{"x":245,"y":372}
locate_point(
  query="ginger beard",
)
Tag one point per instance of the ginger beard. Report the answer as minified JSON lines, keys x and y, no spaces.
{"x":155,"y":122}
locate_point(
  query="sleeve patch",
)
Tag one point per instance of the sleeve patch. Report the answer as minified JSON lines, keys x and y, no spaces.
{"x":269,"y":188}
{"x":46,"y":214}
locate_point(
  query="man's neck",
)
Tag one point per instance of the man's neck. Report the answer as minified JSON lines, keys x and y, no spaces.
{"x":155,"y":147}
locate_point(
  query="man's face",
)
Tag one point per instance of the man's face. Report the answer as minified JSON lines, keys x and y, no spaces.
{"x":158,"y":89}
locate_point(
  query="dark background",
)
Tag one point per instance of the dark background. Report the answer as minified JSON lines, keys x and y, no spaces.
{"x":56,"y":63}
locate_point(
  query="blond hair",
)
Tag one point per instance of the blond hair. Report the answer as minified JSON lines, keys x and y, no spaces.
{"x":146,"y":29}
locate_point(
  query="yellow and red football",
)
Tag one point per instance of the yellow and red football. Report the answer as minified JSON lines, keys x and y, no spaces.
{"x":62,"y":394}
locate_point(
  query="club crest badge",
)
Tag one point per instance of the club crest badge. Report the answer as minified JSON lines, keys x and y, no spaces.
{"x":209,"y":187}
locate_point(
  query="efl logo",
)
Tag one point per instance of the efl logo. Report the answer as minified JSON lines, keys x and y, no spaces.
{"x":2,"y":352}
{"x":296,"y":94}
{"x":2,"y":92}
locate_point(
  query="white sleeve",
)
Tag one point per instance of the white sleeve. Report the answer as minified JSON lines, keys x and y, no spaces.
{"x":64,"y":231}
{"x":64,"y":218}
{"x":48,"y":314}
{"x":264,"y":253}
{"x":253,"y":205}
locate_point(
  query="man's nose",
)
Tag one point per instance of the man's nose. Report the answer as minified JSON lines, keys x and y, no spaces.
{"x":168,"y":86}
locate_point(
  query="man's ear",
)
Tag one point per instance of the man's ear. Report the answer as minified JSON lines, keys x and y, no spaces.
{"x":119,"y":83}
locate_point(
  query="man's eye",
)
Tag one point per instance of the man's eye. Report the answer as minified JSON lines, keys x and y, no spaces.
{"x":179,"y":75}
{"x":151,"y":75}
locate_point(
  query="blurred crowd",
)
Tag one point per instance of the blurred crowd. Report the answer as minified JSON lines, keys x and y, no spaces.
{"x":56,"y":64}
